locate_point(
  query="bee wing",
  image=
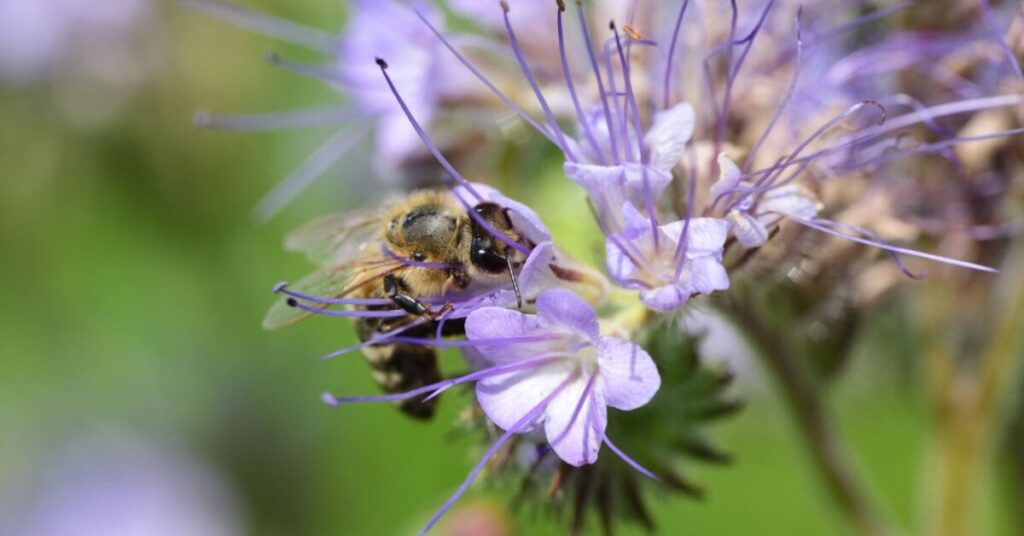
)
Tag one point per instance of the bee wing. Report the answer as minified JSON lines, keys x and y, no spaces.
{"x":335,"y":238}
{"x":332,"y":281}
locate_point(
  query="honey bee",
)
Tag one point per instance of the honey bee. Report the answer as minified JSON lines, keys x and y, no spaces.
{"x":404,"y":258}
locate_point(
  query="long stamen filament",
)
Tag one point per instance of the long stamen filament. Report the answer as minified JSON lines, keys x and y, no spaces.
{"x":473,"y":343}
{"x":447,"y":165}
{"x":822,"y":225}
{"x":483,"y":79}
{"x":909,"y":119}
{"x":521,"y":58}
{"x":588,"y":45}
{"x":380,"y":338}
{"x":516,"y":428}
{"x":630,"y":461}
{"x":785,"y":99}
{"x":267,"y":25}
{"x":436,"y":388}
{"x":671,"y":55}
{"x":632,"y":104}
{"x":567,"y":74}
{"x":350,"y":313}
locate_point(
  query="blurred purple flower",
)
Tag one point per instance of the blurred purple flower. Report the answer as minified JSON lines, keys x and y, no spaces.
{"x":117,"y":486}
{"x":87,"y":58}
{"x":533,"y":16}
{"x":375,"y":28}
{"x":392,"y":30}
{"x":36,"y":35}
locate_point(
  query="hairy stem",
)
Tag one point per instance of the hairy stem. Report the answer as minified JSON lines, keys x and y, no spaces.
{"x":969,"y":406}
{"x":830,"y":457}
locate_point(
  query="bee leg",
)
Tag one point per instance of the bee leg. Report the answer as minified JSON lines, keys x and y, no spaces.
{"x":446,"y":308}
{"x":408,"y":303}
{"x":515,"y":282}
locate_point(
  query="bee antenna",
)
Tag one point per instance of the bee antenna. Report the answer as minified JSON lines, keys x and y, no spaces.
{"x":515,"y":282}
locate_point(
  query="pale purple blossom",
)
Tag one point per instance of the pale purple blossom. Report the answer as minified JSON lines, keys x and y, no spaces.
{"x":589,"y":372}
{"x":683,"y":259}
{"x":612,"y":180}
{"x":552,"y":371}
{"x":751,"y":218}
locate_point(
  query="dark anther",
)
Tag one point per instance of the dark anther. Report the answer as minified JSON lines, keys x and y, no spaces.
{"x":292,"y":302}
{"x":561,"y":5}
{"x":504,"y":6}
{"x":611,"y":25}
{"x":381,"y":63}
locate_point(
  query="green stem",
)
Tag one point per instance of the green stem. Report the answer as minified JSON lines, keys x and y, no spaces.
{"x":969,"y":407}
{"x":830,"y":458}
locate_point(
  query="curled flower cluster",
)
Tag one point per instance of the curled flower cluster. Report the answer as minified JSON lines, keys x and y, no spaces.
{"x":648,"y":123}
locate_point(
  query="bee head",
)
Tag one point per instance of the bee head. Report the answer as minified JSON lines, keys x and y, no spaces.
{"x":424,"y":233}
{"x":487,"y":252}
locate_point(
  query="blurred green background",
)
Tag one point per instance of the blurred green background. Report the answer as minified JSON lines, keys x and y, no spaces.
{"x":134,"y":281}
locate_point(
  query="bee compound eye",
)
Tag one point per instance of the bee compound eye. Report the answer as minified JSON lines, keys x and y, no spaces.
{"x":419,"y":257}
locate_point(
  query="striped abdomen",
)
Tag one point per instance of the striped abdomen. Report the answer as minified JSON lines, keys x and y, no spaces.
{"x":401,"y":367}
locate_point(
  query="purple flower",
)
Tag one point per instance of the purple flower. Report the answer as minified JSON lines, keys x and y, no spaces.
{"x":376,"y":28}
{"x":37,"y":35}
{"x":581,"y":370}
{"x":552,"y":370}
{"x":109,"y":483}
{"x":426,"y":73}
{"x":750,"y":218}
{"x":638,"y":180}
{"x":622,"y":163}
{"x":683,"y":258}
